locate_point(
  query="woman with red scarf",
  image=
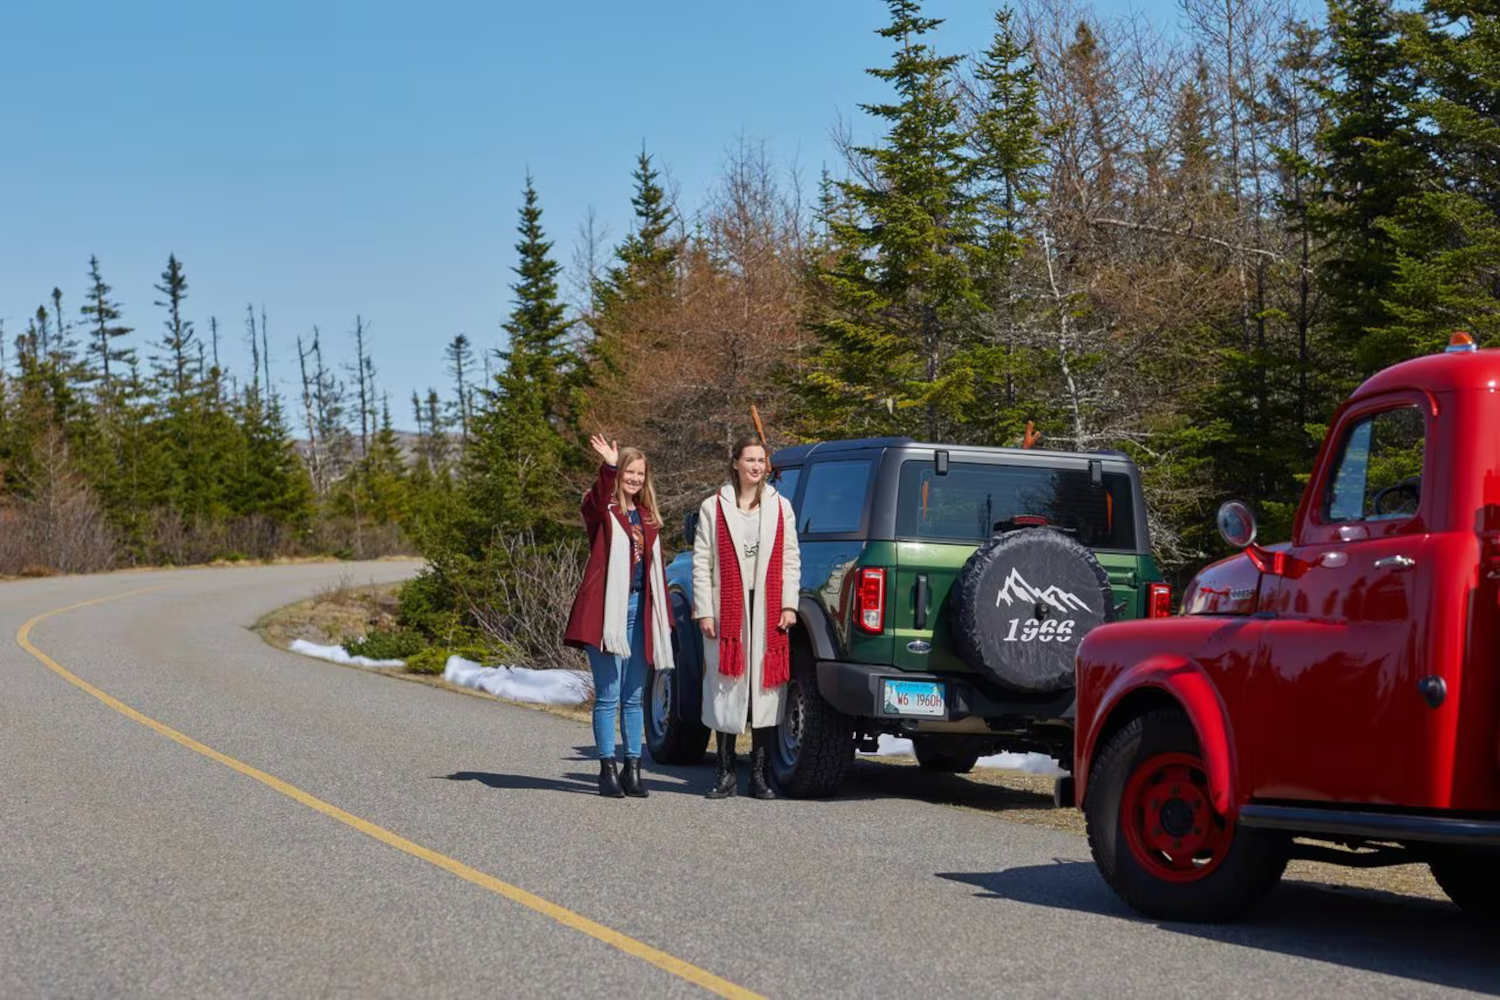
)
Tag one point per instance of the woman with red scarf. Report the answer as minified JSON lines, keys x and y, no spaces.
{"x":747,"y":571}
{"x":620,"y":617}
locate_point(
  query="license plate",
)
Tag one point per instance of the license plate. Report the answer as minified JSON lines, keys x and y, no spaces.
{"x":913,"y":698}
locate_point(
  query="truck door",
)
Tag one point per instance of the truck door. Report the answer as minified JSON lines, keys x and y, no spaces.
{"x":1346,"y":649}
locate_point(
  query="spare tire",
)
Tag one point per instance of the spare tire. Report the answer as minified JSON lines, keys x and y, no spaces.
{"x":1022,"y":604}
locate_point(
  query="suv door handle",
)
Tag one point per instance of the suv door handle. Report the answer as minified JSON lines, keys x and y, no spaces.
{"x":1395,"y":562}
{"x":920,"y":618}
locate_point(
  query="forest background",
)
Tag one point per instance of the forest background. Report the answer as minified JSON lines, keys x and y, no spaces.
{"x":1188,"y":247}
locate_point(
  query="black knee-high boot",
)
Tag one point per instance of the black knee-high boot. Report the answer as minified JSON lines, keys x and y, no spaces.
{"x":724,"y":779}
{"x":760,"y":738}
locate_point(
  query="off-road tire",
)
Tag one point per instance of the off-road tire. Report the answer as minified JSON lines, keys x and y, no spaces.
{"x":1471,"y":878}
{"x":1012,"y":634}
{"x":936,"y":754}
{"x":826,"y":745}
{"x":673,"y":739}
{"x":1247,"y":867}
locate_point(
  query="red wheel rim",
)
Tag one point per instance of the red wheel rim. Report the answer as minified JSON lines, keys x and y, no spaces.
{"x":1169,"y":821}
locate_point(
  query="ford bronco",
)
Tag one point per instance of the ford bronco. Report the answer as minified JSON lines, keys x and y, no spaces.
{"x":944,"y":592}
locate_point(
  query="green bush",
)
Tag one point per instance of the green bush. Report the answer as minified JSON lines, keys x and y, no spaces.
{"x":433,"y":659}
{"x":427,"y":606}
{"x":386,"y":644}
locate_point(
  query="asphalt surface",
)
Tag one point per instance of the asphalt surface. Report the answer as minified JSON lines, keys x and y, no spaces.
{"x":134,"y":865}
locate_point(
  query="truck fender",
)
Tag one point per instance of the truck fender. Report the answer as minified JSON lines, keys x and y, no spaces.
{"x":1186,"y":683}
{"x":819,"y":629}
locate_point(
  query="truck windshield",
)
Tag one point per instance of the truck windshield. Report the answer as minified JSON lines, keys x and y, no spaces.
{"x":967,"y":503}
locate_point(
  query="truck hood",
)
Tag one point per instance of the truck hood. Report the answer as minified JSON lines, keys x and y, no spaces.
{"x":1228,"y":587}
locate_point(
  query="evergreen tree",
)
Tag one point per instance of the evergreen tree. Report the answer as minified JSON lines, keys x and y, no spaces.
{"x":461,"y":366}
{"x":897,"y":307}
{"x":173,"y":365}
{"x":1373,"y":157}
{"x":105,"y":330}
{"x":512,"y":471}
{"x":1007,"y":155}
{"x":1446,"y":235}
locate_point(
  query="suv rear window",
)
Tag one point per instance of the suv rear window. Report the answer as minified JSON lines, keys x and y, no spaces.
{"x":966,"y":504}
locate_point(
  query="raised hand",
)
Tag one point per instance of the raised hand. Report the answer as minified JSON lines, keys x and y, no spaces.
{"x":608,"y":451}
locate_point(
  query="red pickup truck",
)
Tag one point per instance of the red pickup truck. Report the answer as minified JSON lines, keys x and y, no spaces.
{"x":1336,"y":697}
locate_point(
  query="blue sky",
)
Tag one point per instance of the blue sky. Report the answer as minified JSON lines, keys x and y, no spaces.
{"x":328,"y":159}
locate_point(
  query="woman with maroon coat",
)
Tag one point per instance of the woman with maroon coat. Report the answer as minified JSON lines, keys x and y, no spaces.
{"x":620,"y":617}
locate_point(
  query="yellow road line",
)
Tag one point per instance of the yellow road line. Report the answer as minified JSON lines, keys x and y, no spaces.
{"x":629,"y":945}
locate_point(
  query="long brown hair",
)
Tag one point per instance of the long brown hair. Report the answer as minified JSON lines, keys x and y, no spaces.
{"x":741,"y":443}
{"x":645,"y":500}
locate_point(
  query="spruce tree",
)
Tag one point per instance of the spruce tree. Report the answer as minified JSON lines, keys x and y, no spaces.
{"x":895,"y":314}
{"x":1007,"y":157}
{"x":1373,"y":157}
{"x":105,"y":330}
{"x":1446,"y":235}
{"x":513,"y":471}
{"x":179,"y":344}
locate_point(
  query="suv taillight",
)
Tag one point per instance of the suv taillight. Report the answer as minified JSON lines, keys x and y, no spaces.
{"x":869,"y":594}
{"x":1159,"y":600}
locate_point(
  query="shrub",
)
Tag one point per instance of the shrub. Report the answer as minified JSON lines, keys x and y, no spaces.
{"x":426,"y":606}
{"x":433,"y":659}
{"x":386,"y":644}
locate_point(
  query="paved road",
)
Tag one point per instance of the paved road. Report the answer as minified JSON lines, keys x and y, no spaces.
{"x":134,"y":864}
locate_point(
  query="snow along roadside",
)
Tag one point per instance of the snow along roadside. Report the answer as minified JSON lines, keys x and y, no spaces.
{"x":1031,"y":763}
{"x":538,"y":687}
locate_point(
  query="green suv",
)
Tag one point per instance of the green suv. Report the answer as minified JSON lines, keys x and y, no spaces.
{"x":945,"y":590}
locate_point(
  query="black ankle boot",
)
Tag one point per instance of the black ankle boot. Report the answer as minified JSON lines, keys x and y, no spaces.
{"x":609,"y":781}
{"x":760,"y":787}
{"x":630,"y":781}
{"x":724,"y":780}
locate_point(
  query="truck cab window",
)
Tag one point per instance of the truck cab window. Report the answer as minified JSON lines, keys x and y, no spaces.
{"x":1379,"y":471}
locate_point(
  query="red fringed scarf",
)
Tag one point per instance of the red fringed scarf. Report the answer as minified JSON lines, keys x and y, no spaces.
{"x":776,"y":667}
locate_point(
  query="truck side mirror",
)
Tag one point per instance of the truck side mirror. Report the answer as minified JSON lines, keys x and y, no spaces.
{"x":690,"y":527}
{"x":1237,"y":523}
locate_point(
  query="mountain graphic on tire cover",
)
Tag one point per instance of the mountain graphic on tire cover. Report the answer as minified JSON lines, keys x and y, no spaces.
{"x":1016,"y":589}
{"x":1021,"y":605}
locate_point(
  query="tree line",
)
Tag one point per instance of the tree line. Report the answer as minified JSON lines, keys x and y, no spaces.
{"x":1188,"y":246}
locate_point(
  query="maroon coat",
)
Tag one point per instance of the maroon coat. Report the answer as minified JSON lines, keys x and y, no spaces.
{"x":586,"y":620}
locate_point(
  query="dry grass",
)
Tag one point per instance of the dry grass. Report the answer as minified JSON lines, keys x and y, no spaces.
{"x":343,"y":609}
{"x":332,"y":615}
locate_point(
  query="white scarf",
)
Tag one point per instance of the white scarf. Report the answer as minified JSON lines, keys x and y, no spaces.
{"x":616,"y":638}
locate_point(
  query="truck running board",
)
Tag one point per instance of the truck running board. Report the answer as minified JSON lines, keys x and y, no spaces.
{"x":1363,"y":824}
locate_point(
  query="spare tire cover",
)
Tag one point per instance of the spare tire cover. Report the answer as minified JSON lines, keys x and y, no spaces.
{"x":1022,"y":604}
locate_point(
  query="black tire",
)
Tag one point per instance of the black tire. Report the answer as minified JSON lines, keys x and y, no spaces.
{"x":1243,"y":867}
{"x":814,"y":744}
{"x":671,"y":738}
{"x":1471,"y":879}
{"x":1021,"y":605}
{"x":672,"y":735}
{"x":937,"y":754}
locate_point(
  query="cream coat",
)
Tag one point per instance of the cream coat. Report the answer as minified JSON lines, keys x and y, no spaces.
{"x":727,"y":700}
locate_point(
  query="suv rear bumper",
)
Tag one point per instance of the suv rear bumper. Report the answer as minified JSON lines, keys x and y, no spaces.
{"x":854,"y":689}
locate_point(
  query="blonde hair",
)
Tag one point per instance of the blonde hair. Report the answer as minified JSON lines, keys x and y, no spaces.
{"x":740,"y":444}
{"x":645,"y":500}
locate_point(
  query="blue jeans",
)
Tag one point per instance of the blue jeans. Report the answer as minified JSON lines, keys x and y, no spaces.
{"x":619,"y":683}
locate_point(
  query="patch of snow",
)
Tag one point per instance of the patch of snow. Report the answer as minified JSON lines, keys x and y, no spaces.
{"x":545,"y":687}
{"x":1031,"y":763}
{"x":338,"y":654}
